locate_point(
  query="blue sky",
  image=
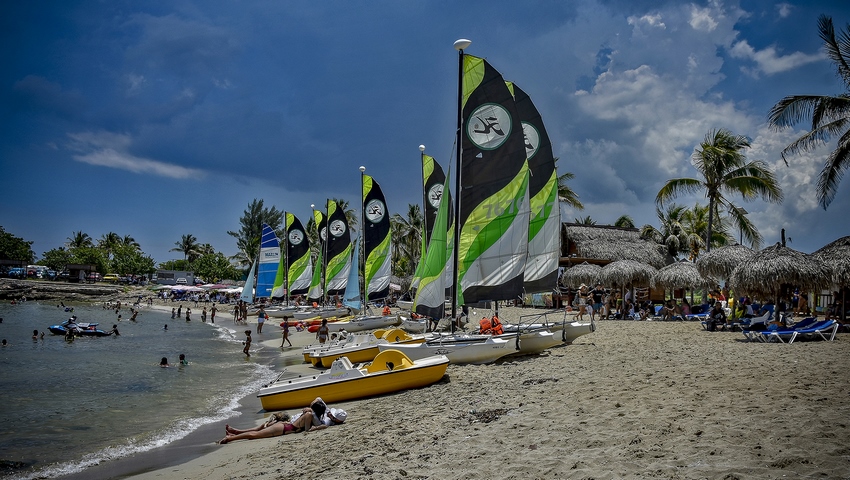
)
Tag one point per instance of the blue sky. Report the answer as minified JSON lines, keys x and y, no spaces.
{"x":159,"y":119}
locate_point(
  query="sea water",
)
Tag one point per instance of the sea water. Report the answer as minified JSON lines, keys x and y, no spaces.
{"x":66,"y":405}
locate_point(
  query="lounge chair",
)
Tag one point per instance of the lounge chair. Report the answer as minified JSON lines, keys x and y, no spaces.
{"x":753,"y":327}
{"x":825,"y":329}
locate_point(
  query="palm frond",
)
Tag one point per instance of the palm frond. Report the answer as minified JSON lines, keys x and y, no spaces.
{"x":677,"y":186}
{"x":836,"y":50}
{"x":834,"y":168}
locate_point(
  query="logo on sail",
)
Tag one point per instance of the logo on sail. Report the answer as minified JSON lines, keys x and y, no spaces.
{"x":435,"y":194}
{"x":489,"y":126}
{"x":296,"y":237}
{"x":375,"y":211}
{"x":337,"y":228}
{"x":532,"y":139}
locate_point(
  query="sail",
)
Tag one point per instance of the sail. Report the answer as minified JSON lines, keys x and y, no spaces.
{"x":351,"y":298}
{"x":279,"y":286}
{"x":269,"y":260}
{"x":430,"y":296}
{"x":247,"y":294}
{"x":541,"y":266}
{"x":298,"y":266}
{"x":376,"y":240}
{"x":317,"y":291}
{"x":494,"y":206}
{"x":433,"y":189}
{"x":338,"y":250}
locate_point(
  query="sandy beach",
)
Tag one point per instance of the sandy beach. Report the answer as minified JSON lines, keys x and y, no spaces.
{"x":631,"y":400}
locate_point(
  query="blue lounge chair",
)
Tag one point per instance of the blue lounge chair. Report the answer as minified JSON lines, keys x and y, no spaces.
{"x":751,"y":327}
{"x":825,"y":329}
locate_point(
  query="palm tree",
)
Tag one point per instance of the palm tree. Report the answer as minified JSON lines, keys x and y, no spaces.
{"x":585,"y":221}
{"x":724,"y":170}
{"x":130,"y":242}
{"x":79,"y":239}
{"x":566,"y":194}
{"x":108,"y":242}
{"x":625,"y":221}
{"x":830,"y":115}
{"x":407,"y":240}
{"x":695,"y":224}
{"x":672,"y":233}
{"x":188,"y":244}
{"x":251,"y":229}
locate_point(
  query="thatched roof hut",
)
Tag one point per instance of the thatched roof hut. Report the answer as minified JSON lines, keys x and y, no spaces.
{"x":584,"y":272}
{"x":769,"y":269}
{"x":626,"y":272}
{"x":680,"y":275}
{"x":604,"y":244}
{"x":720,"y":262}
{"x":836,"y":257}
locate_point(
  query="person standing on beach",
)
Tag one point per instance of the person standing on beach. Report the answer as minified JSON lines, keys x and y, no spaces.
{"x":322,"y":332}
{"x":261,"y":319}
{"x":188,"y":314}
{"x":247,"y":343}
{"x":180,"y":310}
{"x":212,"y":314}
{"x":204,"y":315}
{"x":173,"y":312}
{"x":285,"y":326}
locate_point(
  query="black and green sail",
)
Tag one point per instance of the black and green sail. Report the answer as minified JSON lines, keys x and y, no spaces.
{"x":541,"y":266}
{"x":298,"y":265}
{"x":316,"y":291}
{"x":376,"y":241}
{"x":494,"y":203}
{"x":430,"y":296}
{"x":338,"y":250}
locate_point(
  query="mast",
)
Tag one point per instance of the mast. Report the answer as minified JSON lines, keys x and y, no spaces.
{"x":459,"y":45}
{"x":362,"y":268}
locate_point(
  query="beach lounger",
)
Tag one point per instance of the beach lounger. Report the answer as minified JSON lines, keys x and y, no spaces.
{"x":825,"y":329}
{"x":750,"y":325}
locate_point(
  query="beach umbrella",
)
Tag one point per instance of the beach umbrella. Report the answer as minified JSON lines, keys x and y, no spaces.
{"x":720,"y":262}
{"x":626,"y":272}
{"x":680,"y":275}
{"x":582,"y":273}
{"x":769,"y":269}
{"x":836,"y":257}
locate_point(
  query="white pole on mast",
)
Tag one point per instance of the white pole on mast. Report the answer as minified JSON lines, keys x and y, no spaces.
{"x":460,"y":45}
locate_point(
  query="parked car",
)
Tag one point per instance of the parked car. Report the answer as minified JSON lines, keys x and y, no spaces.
{"x":94,"y":277}
{"x":17,"y":272}
{"x":112,"y":277}
{"x":181,"y":281}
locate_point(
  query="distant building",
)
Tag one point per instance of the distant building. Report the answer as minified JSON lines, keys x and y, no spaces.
{"x":174,"y":277}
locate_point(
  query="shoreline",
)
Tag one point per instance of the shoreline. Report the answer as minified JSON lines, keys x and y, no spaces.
{"x":633,"y":399}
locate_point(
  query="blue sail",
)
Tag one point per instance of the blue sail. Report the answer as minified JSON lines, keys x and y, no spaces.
{"x":351,"y":298}
{"x":269,"y":261}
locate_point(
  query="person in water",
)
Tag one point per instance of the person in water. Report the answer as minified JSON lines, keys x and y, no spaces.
{"x":183,"y":360}
{"x":115,"y":330}
{"x":164,"y":362}
{"x":247,"y":343}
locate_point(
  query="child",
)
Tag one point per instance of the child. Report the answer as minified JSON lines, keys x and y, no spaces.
{"x":183,"y":360}
{"x":247,"y":343}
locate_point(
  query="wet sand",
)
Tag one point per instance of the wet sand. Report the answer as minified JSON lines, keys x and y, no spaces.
{"x":631,"y":400}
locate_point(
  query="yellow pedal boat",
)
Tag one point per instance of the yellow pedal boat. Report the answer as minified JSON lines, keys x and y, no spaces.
{"x":390,"y":371}
{"x":363,"y":351}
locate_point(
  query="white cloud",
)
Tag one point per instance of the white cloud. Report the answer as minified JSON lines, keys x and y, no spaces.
{"x":769,"y":61}
{"x":136,"y":82}
{"x":107,"y":149}
{"x":651,"y":20}
{"x":784,"y":9}
{"x":702,"y":19}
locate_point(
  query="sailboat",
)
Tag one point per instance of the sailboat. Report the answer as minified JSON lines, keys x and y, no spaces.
{"x":335,"y":239}
{"x":268,"y":262}
{"x":376,"y":267}
{"x":295,"y":269}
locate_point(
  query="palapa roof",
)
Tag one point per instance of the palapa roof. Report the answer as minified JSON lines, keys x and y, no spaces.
{"x":770,"y":268}
{"x":720,"y":262}
{"x":626,"y":272}
{"x":680,"y":275}
{"x":836,"y":257}
{"x":584,"y":272}
{"x":609,"y":243}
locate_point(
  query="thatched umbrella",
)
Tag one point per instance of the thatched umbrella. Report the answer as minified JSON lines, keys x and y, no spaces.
{"x":720,"y":262}
{"x":836,"y":257}
{"x":769,"y":269}
{"x":581,"y":273}
{"x":626,"y":272}
{"x":680,"y":275}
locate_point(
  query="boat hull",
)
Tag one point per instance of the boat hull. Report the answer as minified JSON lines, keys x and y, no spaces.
{"x":321,"y":313}
{"x":360,"y":353}
{"x":532,"y":342}
{"x":363,"y":323}
{"x":348,"y":383}
{"x":576,"y":329}
{"x":458,"y":351}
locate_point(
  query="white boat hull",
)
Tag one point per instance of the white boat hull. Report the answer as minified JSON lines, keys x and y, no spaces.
{"x":532,"y":342}
{"x":363,"y":323}
{"x":283,"y":312}
{"x":459,"y":349}
{"x":319,"y":312}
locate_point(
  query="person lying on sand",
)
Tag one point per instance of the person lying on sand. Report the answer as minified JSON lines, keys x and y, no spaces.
{"x":310,"y":419}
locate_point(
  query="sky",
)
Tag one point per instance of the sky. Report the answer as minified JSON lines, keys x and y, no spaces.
{"x":160,"y":119}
